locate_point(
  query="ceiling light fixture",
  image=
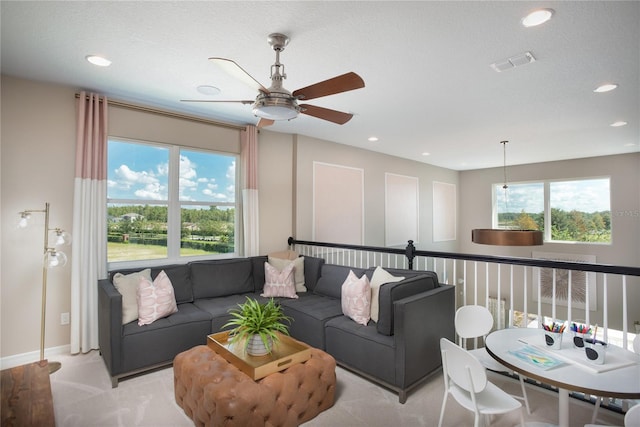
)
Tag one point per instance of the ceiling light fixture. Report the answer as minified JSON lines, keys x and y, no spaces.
{"x":426,"y":153}
{"x":98,"y":60}
{"x":372,"y":139}
{"x":618,"y":124}
{"x":537,"y":17}
{"x":607,"y":87}
{"x":208,"y":90}
{"x":506,"y":236}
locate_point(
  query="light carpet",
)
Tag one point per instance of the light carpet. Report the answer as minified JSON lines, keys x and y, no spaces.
{"x":83,"y":397}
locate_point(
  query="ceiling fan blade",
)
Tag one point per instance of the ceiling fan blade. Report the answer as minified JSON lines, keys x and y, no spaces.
{"x":233,"y":69}
{"x":244,"y":101}
{"x":264,"y":123}
{"x":343,"y":83}
{"x":326,"y":114}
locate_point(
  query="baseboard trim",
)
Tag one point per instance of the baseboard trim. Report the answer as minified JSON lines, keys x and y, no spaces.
{"x":33,"y":356}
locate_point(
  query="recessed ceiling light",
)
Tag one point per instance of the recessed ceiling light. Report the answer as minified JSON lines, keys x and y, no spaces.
{"x":618,"y":124}
{"x":537,"y":17}
{"x":605,"y":87}
{"x":372,"y":139}
{"x":629,"y":144}
{"x":426,"y":154}
{"x":208,"y":90}
{"x":98,"y":60}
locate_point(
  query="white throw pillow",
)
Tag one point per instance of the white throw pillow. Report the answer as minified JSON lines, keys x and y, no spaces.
{"x":127,"y":285}
{"x":155,"y":299}
{"x":298,"y":271}
{"x":356,"y":298}
{"x":278,"y":283}
{"x":379,"y":278}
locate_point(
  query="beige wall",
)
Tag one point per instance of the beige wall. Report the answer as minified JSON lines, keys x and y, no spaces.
{"x":375,"y":165}
{"x":37,"y":165}
{"x":38,"y":142}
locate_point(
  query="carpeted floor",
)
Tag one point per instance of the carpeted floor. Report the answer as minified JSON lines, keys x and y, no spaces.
{"x":83,"y":397}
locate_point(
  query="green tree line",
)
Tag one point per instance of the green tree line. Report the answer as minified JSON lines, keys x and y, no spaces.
{"x":573,"y":225}
{"x":150,"y":227}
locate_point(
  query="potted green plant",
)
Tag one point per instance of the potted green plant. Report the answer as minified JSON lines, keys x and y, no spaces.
{"x":257,"y":324}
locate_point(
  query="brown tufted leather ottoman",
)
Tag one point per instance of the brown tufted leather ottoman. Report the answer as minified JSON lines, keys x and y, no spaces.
{"x":213,"y":392}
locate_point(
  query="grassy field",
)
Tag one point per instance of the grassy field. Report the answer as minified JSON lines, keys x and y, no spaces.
{"x":134,"y":251}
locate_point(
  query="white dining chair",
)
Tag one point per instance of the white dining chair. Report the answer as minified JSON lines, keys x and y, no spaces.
{"x":631,"y":418}
{"x":476,"y":321}
{"x":599,"y":399}
{"x":466,"y":380}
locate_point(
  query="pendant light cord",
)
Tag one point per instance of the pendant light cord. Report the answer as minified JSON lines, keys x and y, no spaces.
{"x":504,"y":169}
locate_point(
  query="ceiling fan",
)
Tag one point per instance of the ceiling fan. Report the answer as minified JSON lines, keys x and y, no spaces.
{"x":277,"y":103}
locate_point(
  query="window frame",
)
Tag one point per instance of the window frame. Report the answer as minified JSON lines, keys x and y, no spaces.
{"x":547,"y":206}
{"x":174,"y":206}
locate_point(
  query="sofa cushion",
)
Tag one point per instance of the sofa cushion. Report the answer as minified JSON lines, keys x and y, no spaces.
{"x":279,"y":283}
{"x":179,"y":274}
{"x":391,"y":292}
{"x":298,"y":272}
{"x":332,"y":277}
{"x":180,"y":277}
{"x":217,"y":278}
{"x":155,"y":299}
{"x":356,"y":298}
{"x":310,"y":312}
{"x":218,"y":308}
{"x":127,"y":284}
{"x":187,"y":314}
{"x":312,"y":269}
{"x":257,"y":267}
{"x":379,"y":278}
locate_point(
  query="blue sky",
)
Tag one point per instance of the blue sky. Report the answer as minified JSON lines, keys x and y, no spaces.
{"x":585,"y":196}
{"x":141,"y":171}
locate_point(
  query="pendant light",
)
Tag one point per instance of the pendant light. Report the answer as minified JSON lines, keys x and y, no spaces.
{"x":507,"y":236}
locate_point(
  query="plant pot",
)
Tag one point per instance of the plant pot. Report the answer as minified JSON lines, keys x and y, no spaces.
{"x":255,"y":346}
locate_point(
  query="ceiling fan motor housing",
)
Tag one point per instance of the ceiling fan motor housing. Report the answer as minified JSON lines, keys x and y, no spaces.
{"x":276,"y":106}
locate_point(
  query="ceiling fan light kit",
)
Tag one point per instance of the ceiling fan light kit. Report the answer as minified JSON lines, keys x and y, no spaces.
{"x":276,"y":102}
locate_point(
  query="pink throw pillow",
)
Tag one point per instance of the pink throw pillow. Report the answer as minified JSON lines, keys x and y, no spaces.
{"x":279,"y":283}
{"x":356,"y":298}
{"x":155,"y":300}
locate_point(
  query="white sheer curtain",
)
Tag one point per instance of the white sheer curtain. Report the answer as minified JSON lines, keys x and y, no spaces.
{"x":89,"y":261}
{"x":250,"y":205}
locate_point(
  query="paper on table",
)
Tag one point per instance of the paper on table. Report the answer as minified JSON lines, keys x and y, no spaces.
{"x":616,"y":357}
{"x":536,"y":357}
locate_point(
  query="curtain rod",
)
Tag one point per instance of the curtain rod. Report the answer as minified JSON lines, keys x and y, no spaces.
{"x":170,"y":114}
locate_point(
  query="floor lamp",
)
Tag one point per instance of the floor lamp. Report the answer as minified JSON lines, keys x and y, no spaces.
{"x":52,"y":258}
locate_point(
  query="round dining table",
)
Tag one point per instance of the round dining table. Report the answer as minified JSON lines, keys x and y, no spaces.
{"x":525,"y":351}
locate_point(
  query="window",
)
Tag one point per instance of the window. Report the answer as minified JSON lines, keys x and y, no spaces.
{"x":576,"y":210}
{"x":168,"y":202}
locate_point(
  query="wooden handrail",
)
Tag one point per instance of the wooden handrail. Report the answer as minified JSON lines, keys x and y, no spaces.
{"x":410,"y":252}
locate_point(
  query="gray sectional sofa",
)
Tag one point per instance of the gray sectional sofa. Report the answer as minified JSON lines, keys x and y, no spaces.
{"x":398,"y":351}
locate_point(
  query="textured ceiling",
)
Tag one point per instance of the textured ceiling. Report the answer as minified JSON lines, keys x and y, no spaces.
{"x":429,"y":86}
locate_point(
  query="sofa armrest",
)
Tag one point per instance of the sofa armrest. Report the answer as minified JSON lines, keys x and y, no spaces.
{"x":420,"y":321}
{"x":391,"y":292}
{"x":110,"y":325}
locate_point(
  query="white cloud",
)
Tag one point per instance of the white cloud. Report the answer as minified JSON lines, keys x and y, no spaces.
{"x":149,"y":183}
{"x":231,"y":172}
{"x":163,"y":169}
